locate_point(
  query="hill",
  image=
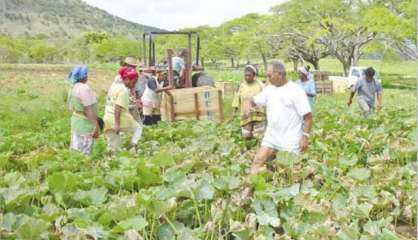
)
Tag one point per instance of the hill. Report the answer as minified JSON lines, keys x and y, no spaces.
{"x":61,"y":19}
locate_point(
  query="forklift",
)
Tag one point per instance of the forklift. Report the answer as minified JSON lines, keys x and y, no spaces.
{"x":186,"y":100}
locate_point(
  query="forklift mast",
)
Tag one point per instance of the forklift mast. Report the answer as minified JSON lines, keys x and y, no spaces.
{"x":150,"y":58}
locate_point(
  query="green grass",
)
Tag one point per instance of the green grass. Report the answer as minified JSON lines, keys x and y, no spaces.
{"x":405,"y":68}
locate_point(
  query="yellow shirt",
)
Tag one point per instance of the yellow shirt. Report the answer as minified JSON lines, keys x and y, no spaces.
{"x":118,"y":95}
{"x":246,"y":91}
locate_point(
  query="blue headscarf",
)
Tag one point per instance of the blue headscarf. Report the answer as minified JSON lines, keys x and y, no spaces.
{"x":78,"y":73}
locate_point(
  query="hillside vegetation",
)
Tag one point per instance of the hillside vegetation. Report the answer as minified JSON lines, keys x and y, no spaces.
{"x":61,"y":19}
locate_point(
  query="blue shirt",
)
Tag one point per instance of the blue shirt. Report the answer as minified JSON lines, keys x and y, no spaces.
{"x":309,"y":87}
{"x":178,"y":64}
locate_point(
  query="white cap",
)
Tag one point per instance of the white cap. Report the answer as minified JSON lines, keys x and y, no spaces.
{"x":303,"y":70}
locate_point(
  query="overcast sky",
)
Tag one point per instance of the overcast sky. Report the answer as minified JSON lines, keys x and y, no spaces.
{"x":176,"y":14}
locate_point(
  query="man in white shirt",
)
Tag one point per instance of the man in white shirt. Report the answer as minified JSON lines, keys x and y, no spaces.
{"x":289,"y":117}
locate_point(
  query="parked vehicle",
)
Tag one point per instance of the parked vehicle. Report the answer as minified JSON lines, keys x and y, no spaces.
{"x":354,"y":75}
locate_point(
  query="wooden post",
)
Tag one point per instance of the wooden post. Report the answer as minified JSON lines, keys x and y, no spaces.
{"x":196,"y":106}
{"x":188,"y":73}
{"x":171,"y":102}
{"x":221,"y":105}
{"x":170,"y":54}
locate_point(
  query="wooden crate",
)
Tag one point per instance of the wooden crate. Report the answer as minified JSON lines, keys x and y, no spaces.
{"x":227,"y":88}
{"x":321,"y":76}
{"x":339,"y":86}
{"x":323,"y":87}
{"x":200,"y":103}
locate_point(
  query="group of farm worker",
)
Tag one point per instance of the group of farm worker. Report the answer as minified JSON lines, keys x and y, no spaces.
{"x":288,"y":108}
{"x":281,"y":110}
{"x":133,"y":100}
{"x":130,"y":92}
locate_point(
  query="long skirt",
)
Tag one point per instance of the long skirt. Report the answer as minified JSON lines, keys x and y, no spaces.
{"x":82,"y":143}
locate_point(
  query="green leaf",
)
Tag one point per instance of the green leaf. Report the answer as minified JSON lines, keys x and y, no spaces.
{"x":32,"y":229}
{"x":50,"y":212}
{"x":286,"y":193}
{"x":62,"y":182}
{"x":148,"y":174}
{"x":372,"y":227}
{"x":7,"y":222}
{"x":362,"y":210}
{"x":159,"y":208}
{"x":96,"y":232}
{"x":360,"y":174}
{"x":204,"y":191}
{"x":227,"y":182}
{"x":389,"y":235}
{"x":94,"y":196}
{"x":136,"y":223}
{"x":266,"y":212}
{"x":163,"y":159}
{"x":349,"y":233}
{"x":167,"y":232}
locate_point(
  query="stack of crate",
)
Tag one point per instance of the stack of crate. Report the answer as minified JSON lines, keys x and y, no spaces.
{"x":228,"y":88}
{"x":322,"y":83}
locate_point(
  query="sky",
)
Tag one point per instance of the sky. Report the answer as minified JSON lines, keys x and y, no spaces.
{"x":177,"y":14}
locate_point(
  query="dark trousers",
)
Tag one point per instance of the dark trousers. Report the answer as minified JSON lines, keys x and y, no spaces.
{"x":151,"y":120}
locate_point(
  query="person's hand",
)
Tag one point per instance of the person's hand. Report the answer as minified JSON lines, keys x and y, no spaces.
{"x":349,"y":102}
{"x":95,"y":133}
{"x":304,"y":143}
{"x":230,"y":119}
{"x":247,"y":107}
{"x":138,"y":103}
{"x":117,"y":129}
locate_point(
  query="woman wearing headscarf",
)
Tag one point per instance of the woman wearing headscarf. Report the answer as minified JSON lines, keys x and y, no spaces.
{"x":134,"y":97}
{"x":117,"y":118}
{"x":307,"y":83}
{"x":83,"y":104}
{"x":253,"y":123}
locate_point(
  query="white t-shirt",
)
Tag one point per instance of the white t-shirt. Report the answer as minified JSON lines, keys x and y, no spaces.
{"x":151,"y":98}
{"x":285,"y":105}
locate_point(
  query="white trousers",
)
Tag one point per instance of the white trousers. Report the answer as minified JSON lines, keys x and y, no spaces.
{"x":114,"y":140}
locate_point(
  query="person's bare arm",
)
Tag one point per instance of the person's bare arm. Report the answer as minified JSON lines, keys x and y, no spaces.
{"x":379,"y":101}
{"x":91,"y":116}
{"x":163,"y":89}
{"x":350,"y":99}
{"x":248,"y":105}
{"x":307,"y":125}
{"x":118,"y":110}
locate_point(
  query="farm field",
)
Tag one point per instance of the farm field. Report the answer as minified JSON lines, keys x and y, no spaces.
{"x":356,"y":182}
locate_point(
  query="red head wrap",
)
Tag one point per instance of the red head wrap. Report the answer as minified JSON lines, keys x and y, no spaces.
{"x":128,"y":73}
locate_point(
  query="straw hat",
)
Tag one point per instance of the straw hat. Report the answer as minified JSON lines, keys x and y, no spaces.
{"x":131,"y":61}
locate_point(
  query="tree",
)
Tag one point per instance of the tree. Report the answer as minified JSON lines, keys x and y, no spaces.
{"x":298,"y":37}
{"x":41,"y":52}
{"x":345,"y":28}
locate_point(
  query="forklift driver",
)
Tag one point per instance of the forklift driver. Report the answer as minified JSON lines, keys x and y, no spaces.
{"x":179,"y":67}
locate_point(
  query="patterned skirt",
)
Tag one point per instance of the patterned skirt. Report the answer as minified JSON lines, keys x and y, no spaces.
{"x":82,"y":143}
{"x":257,"y":114}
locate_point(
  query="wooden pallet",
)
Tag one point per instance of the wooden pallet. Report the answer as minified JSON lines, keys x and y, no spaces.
{"x":227,"y":88}
{"x":339,"y":86}
{"x":324,"y":87}
{"x":200,"y":103}
{"x":321,"y":76}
